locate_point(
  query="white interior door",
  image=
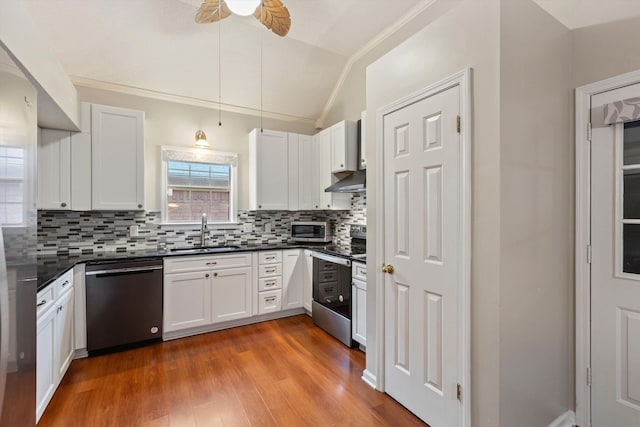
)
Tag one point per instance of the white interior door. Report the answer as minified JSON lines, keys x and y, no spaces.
{"x":615,"y":266}
{"x":423,"y":237}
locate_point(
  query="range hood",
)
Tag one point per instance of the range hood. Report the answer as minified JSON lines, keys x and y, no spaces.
{"x":354,"y":183}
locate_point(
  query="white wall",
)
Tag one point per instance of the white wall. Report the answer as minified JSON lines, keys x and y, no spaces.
{"x":536,"y":217}
{"x":57,"y":98}
{"x":467,"y":36}
{"x":169,"y":123}
{"x":606,"y":50}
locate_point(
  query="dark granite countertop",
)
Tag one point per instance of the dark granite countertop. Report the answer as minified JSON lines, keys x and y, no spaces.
{"x":50,"y":267}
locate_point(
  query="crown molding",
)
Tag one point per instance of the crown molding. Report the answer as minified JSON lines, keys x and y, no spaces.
{"x":187,"y":100}
{"x":372,"y":44}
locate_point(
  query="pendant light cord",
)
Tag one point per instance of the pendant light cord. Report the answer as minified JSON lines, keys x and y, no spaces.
{"x":220,"y":63}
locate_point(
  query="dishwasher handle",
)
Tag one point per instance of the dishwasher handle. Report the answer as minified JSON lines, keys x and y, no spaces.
{"x":123,"y":271}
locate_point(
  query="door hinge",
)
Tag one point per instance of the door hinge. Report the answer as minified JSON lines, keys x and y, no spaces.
{"x":588,"y":377}
{"x":458,"y":124}
{"x":588,"y":254}
{"x":459,"y":392}
{"x":589,"y":131}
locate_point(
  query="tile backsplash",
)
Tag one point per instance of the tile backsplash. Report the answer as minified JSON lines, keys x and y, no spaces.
{"x":63,"y":232}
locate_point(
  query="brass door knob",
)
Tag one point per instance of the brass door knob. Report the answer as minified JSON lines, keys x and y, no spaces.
{"x":387,"y":269}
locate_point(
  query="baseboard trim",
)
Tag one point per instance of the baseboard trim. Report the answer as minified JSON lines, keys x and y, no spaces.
{"x":369,"y":378}
{"x":231,"y":324}
{"x":568,"y":419}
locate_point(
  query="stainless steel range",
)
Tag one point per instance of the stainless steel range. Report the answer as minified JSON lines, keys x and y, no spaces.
{"x":332,"y":284}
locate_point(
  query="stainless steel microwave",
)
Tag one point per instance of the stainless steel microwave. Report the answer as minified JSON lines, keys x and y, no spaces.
{"x":313,"y":231}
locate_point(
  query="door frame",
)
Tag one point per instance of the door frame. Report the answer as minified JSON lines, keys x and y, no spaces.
{"x":463,"y":80}
{"x":583,"y":236}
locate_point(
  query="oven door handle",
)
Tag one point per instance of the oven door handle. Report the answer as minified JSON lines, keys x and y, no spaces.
{"x":330,"y":258}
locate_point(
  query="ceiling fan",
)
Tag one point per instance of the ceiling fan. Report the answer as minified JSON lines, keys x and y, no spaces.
{"x":275,"y":16}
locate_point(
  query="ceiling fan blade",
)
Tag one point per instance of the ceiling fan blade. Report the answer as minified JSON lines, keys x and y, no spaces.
{"x":275,"y":16}
{"x":212,"y":11}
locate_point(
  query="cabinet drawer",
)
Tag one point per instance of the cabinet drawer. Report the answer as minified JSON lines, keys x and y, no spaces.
{"x":327,"y":265}
{"x":184,"y":264}
{"x":269,"y":283}
{"x":328,"y":276}
{"x":328,"y":291}
{"x":63,"y":283}
{"x":270,"y":270}
{"x":269,"y":301}
{"x":269,"y":257}
{"x":44,"y":300}
{"x":359,"y":271}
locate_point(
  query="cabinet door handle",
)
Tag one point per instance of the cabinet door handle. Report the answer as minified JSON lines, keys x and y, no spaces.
{"x":206,"y":276}
{"x":140,"y":206}
{"x":260,"y":206}
{"x":215,"y":274}
{"x":341,"y":166}
{"x":212,"y":263}
{"x":270,"y":284}
{"x":66,"y":282}
{"x":63,"y":204}
{"x":59,"y":309}
{"x":270,"y":299}
{"x":270,"y":258}
{"x":41,"y":303}
{"x":273,"y":270}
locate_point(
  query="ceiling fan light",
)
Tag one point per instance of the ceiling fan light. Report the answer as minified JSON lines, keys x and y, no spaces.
{"x":201,"y":140}
{"x":243,"y":7}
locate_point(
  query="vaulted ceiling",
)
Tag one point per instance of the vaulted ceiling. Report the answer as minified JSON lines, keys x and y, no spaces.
{"x":154,"y":45}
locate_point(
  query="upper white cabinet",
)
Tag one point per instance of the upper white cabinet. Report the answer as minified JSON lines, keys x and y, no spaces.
{"x":308,"y":174}
{"x":270,"y":174}
{"x":344,"y":146}
{"x":117,"y":158}
{"x":328,"y":201}
{"x":54,"y":169}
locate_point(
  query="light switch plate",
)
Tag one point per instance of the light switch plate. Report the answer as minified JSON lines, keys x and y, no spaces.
{"x":267,"y":227}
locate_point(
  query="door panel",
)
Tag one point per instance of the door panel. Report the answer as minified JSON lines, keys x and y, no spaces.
{"x":422,"y":190}
{"x":615,"y":282}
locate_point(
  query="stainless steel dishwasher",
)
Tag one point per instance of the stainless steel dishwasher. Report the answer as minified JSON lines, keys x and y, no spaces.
{"x":124,"y":303}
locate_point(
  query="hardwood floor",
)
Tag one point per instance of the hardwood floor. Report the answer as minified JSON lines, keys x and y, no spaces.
{"x":284,"y":372}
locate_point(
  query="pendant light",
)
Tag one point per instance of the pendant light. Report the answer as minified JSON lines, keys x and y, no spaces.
{"x":243,"y":7}
{"x":201,"y":140}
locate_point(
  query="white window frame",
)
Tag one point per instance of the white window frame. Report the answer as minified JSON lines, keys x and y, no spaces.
{"x":200,"y":155}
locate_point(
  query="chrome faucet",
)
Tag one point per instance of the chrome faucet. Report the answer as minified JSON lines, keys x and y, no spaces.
{"x":204,"y":230}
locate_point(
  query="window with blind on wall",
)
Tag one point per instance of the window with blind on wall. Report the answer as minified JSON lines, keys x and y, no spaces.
{"x":198,"y":182}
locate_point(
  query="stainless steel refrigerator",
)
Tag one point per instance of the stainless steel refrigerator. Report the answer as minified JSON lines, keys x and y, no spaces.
{"x":18,"y":228}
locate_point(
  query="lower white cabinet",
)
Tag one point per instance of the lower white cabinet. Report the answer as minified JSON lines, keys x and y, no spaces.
{"x":55,"y":338}
{"x":307,"y":281}
{"x":359,"y":303}
{"x":218,"y":290}
{"x":293,"y":268}
{"x":269,"y":301}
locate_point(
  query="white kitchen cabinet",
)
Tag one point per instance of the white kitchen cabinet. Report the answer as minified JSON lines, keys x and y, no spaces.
{"x":231,"y":294}
{"x":55,"y":338}
{"x":307,"y":277}
{"x":117,"y":158}
{"x":344,"y":149}
{"x":64,"y":348}
{"x":328,"y":201}
{"x":270,"y":172}
{"x":203,"y":290}
{"x":359,"y":303}
{"x":293,"y":268}
{"x":81,"y":162}
{"x":187,"y":300}
{"x":45,"y":365}
{"x":269,"y":301}
{"x":54,"y":169}
{"x":80,"y":308}
{"x":270,"y":281}
{"x":308,"y":174}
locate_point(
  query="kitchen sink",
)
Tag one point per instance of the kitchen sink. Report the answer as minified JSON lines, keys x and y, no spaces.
{"x":206,"y":249}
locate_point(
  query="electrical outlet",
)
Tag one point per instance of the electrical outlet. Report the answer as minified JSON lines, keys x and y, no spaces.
{"x":267,"y":227}
{"x":247,"y":227}
{"x":133,"y":231}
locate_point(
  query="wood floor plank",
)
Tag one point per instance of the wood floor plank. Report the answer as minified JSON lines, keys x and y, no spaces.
{"x":285,"y":372}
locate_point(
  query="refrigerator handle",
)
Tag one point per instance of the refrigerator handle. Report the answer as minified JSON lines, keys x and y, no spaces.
{"x":4,"y":321}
